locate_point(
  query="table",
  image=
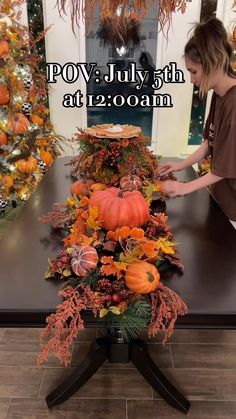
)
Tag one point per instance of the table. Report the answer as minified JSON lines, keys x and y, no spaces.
{"x":207,"y":245}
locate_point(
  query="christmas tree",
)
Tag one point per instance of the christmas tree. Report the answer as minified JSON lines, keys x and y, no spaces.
{"x":28,"y":143}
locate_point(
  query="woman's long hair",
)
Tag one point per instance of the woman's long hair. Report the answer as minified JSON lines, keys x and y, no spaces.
{"x":209,"y":46}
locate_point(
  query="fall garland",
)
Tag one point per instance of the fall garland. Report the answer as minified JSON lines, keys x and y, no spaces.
{"x":137,"y":9}
{"x":116,"y":248}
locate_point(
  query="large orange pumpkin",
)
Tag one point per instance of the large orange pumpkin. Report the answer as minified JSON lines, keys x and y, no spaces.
{"x":78,"y":188}
{"x":84,"y":259}
{"x":142,"y":277}
{"x":46,"y":157}
{"x":27,"y":165}
{"x":4,"y":48}
{"x":4,"y":95}
{"x":3,"y":138}
{"x":18,"y":123}
{"x":118,"y":209}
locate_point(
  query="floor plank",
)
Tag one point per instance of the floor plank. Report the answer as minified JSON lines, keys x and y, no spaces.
{"x":71,"y":409}
{"x":153,"y":409}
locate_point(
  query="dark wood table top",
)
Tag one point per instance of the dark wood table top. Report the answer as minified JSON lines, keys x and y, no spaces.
{"x":206,"y":241}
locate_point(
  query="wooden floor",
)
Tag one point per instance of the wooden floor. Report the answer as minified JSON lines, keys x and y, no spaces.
{"x":202,"y":364}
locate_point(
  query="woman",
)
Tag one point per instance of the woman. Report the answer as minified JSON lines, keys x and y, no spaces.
{"x":207,"y":57}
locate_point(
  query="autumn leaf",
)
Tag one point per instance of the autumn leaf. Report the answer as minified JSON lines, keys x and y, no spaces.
{"x":49,"y":274}
{"x":103,"y":312}
{"x":115,"y":310}
{"x":166,"y":245}
{"x":66,"y":272}
{"x":148,"y":191}
{"x":121,"y":266}
{"x":109,"y":245}
{"x":86,"y":241}
{"x":92,"y":221}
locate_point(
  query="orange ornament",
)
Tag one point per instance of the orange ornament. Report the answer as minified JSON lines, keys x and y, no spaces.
{"x":3,"y":138}
{"x":142,"y":277}
{"x":7,"y":181}
{"x":84,"y":259}
{"x":4,"y":95}
{"x":18,"y":123}
{"x":37,"y":120}
{"x":97,"y":187}
{"x":78,"y":188}
{"x":131,"y":183}
{"x":46,"y":156}
{"x":4,"y":48}
{"x":27,"y":165}
{"x":120,"y":208}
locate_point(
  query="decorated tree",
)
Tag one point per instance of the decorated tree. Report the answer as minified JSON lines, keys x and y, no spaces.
{"x":28,"y":143}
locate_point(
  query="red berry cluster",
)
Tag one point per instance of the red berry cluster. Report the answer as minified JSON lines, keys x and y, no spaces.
{"x":114,"y":153}
{"x":105,"y":285}
{"x":101,"y":155}
{"x":61,"y":262}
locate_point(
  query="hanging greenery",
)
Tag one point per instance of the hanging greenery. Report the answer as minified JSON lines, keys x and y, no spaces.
{"x":115,"y":11}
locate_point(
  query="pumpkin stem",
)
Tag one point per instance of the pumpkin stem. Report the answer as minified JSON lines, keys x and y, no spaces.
{"x":150,"y":276}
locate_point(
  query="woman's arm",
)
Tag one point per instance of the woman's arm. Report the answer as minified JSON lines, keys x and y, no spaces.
{"x":199,"y":154}
{"x":172,"y":189}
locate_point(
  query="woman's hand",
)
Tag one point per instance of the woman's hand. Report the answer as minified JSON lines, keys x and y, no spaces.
{"x":168,"y":167}
{"x":172,"y":189}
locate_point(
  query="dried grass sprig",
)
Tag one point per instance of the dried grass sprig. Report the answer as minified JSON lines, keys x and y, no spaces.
{"x":63,"y":326}
{"x":166,"y":306}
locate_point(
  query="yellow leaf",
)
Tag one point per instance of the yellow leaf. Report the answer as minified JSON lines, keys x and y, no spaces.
{"x":121,"y":266}
{"x":70,"y":202}
{"x":166,"y":245}
{"x":48,"y":274}
{"x":115,"y":310}
{"x":67,"y":272}
{"x":103,"y":312}
{"x":92,"y":220}
{"x":70,"y":250}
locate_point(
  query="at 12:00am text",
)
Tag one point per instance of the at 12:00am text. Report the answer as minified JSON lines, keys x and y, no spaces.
{"x":152,"y":100}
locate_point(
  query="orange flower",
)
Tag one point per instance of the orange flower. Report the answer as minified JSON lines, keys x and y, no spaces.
{"x":137,"y":233}
{"x":150,"y":249}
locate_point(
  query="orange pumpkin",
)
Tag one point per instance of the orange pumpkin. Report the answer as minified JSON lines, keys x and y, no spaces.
{"x":4,"y":95}
{"x":46,"y":156}
{"x":118,"y":209}
{"x":78,"y":188}
{"x":18,"y":123}
{"x":97,"y":187}
{"x":3,"y":138}
{"x":7,"y":181}
{"x":4,"y":48}
{"x":27,"y":165}
{"x":130,"y":183}
{"x":142,"y":277}
{"x":37,"y":120}
{"x":84,"y":259}
{"x":89,"y":182}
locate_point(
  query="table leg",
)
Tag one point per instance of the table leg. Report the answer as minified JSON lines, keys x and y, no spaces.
{"x":94,"y":359}
{"x":143,"y":362}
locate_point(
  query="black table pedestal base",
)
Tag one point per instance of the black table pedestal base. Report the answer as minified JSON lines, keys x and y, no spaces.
{"x":115,"y":350}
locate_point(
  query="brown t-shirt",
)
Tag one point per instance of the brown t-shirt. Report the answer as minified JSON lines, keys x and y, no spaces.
{"x":220,"y":132}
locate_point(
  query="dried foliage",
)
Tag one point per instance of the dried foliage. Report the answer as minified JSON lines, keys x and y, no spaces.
{"x":63,"y":326}
{"x":136,"y":9}
{"x":166,"y":306}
